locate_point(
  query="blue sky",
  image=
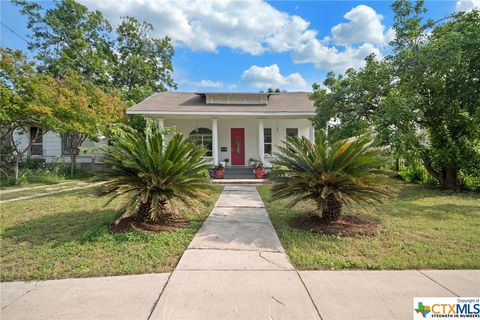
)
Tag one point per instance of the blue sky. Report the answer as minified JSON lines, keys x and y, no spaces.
{"x":253,"y":45}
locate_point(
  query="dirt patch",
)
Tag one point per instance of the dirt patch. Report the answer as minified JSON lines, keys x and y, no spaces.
{"x":346,"y":226}
{"x":130,"y":224}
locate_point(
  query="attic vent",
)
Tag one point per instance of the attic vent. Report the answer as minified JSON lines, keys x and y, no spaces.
{"x":236,"y":98}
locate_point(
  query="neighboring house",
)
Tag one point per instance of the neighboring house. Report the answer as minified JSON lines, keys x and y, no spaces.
{"x":234,"y":126}
{"x":51,"y":148}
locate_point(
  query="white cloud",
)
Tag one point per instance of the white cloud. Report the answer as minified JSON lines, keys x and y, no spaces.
{"x":467,"y":5}
{"x":364,"y":25}
{"x":209,"y":84}
{"x":248,"y":26}
{"x":255,"y":27}
{"x":331,"y":58}
{"x":270,"y":77}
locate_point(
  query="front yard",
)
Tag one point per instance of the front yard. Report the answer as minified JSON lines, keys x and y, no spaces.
{"x":66,"y":235}
{"x":423,"y":228}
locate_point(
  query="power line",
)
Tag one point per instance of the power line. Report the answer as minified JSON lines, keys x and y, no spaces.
{"x":12,"y":31}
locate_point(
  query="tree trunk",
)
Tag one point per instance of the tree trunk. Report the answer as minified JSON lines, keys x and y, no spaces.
{"x":332,"y":209}
{"x":397,"y":165}
{"x":449,"y":179}
{"x":73,"y":164}
{"x":15,"y":168}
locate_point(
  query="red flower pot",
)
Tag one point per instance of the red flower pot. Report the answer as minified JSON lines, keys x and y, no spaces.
{"x":259,"y":173}
{"x":219,"y":174}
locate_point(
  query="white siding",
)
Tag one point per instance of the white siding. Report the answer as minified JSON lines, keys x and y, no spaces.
{"x":52,"y":146}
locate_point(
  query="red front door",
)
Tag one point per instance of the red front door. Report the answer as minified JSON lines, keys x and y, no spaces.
{"x":238,"y":146}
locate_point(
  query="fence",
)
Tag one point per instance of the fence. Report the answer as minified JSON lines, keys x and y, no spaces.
{"x":83,"y":162}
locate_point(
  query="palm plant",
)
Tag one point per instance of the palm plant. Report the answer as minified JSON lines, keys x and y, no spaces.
{"x":150,"y":173}
{"x":344,"y":172}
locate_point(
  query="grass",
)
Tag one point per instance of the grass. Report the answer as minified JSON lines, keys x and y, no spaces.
{"x":39,"y":189}
{"x":423,"y":228}
{"x":66,"y":235}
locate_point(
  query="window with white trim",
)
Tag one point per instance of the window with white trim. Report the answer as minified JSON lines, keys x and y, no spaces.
{"x":36,"y":141}
{"x":292,"y":132}
{"x":267,"y":141}
{"x":203,"y":137}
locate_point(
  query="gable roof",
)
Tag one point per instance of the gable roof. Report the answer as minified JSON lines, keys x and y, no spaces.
{"x":195,"y":103}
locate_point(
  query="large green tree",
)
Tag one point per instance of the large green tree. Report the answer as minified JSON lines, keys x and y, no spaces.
{"x":28,"y":99}
{"x":72,"y":106}
{"x":143,"y":63}
{"x":438,"y":67}
{"x":87,"y":111}
{"x":70,"y":37}
{"x":423,"y":100}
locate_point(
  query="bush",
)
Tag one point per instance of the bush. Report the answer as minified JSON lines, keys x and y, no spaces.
{"x":36,"y":170}
{"x":151,"y":172}
{"x":415,"y":173}
{"x":471,"y":182}
{"x":332,"y":174}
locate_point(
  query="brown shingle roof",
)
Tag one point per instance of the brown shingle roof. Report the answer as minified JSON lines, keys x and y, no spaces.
{"x":164,"y":102}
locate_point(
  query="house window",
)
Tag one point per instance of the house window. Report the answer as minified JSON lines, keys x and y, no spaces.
{"x":292,"y":132}
{"x":65,"y":148}
{"x":203,"y":137}
{"x":36,"y":140}
{"x":267,"y":141}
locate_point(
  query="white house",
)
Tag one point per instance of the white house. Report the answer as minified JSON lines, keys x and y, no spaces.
{"x":51,"y":148}
{"x":234,"y":126}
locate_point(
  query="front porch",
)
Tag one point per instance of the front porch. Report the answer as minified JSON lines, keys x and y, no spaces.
{"x":240,"y":139}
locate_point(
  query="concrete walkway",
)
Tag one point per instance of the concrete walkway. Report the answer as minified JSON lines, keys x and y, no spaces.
{"x":236,"y":268}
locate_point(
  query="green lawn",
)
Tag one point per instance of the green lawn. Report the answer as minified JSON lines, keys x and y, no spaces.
{"x":12,"y":193}
{"x":423,"y":228}
{"x":66,"y":235}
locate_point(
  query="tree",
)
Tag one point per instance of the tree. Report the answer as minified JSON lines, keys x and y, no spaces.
{"x":438,"y":73}
{"x":331,"y":174}
{"x":70,"y":37}
{"x":423,"y":100}
{"x":149,"y":173}
{"x":144,"y":64}
{"x":28,"y":99}
{"x":87,"y":111}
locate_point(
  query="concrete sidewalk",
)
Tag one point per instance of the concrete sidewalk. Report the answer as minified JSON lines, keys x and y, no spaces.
{"x":236,"y":268}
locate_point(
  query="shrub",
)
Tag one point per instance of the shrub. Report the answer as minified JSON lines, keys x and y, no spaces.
{"x":343,"y":172}
{"x":414,"y":172}
{"x":150,"y":172}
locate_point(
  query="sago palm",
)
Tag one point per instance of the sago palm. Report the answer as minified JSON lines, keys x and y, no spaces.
{"x":150,"y":173}
{"x":343,"y":172}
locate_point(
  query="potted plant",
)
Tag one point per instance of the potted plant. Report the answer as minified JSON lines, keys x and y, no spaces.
{"x":219,"y":171}
{"x":252,"y":162}
{"x":259,"y":170}
{"x":226,"y":160}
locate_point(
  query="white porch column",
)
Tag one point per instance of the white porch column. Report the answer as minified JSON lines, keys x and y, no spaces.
{"x":261,"y":149}
{"x":215,"y":141}
{"x":161,"y":122}
{"x":311,"y":133}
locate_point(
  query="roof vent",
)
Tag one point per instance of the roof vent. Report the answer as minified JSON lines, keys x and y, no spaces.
{"x":236,"y":98}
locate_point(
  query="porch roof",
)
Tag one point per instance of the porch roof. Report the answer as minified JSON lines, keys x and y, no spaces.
{"x":188,"y":103}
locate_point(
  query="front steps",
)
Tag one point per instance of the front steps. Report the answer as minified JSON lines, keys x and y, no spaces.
{"x":239,"y":172}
